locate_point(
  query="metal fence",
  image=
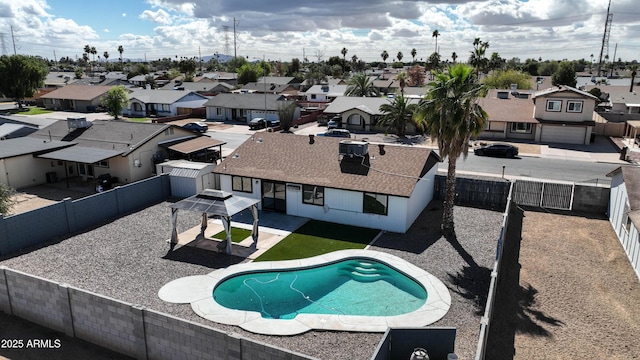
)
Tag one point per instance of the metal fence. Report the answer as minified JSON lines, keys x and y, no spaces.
{"x":544,"y":194}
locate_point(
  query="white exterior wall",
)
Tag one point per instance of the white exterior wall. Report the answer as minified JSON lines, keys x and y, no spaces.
{"x":588,"y":106}
{"x":226,"y":185}
{"x":26,"y":170}
{"x":192,"y":101}
{"x":421,"y":196}
{"x":630,"y":239}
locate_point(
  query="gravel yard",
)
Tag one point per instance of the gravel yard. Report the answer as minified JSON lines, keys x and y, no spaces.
{"x":128,"y":260}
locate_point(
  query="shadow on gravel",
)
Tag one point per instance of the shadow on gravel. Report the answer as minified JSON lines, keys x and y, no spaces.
{"x":423,"y":225}
{"x":201,"y":257}
{"x":514,"y":304}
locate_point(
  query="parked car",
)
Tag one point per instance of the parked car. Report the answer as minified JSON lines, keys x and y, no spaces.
{"x":332,"y":124}
{"x":337,"y":133}
{"x":196,"y":127}
{"x":261,"y":123}
{"x":497,"y":149}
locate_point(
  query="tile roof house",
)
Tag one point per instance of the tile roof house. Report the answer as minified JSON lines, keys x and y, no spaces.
{"x":82,"y":98}
{"x":364,"y":184}
{"x":624,"y":211}
{"x":76,"y":147}
{"x":555,"y":115}
{"x":359,"y":114}
{"x":143,"y":102}
{"x":244,"y":107}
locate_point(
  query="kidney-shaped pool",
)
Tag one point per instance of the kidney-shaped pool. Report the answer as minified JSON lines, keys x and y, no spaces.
{"x":348,"y":290}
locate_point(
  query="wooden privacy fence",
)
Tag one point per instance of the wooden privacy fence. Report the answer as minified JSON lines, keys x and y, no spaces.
{"x":543,"y":194}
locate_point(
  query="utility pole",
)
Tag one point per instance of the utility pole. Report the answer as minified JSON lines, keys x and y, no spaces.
{"x":605,"y":37}
{"x":234,"y":38}
{"x":613,"y":61}
{"x":13,"y":39}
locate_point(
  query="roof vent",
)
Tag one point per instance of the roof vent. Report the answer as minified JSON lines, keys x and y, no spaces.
{"x":353,"y":148}
{"x":78,"y":123}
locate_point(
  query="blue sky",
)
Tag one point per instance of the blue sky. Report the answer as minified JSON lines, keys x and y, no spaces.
{"x":277,"y":29}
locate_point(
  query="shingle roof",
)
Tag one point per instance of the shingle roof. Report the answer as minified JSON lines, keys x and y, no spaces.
{"x":117,"y":135}
{"x":271,"y":88}
{"x":507,"y":110}
{"x":160,"y":97}
{"x":78,"y":92}
{"x":369,"y":105}
{"x":277,"y":79}
{"x":246,"y":101}
{"x":332,"y":90}
{"x":26,"y":145}
{"x":291,"y":158}
{"x":562,"y":88}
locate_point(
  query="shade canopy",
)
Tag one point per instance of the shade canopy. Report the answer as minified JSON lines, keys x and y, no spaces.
{"x":215,"y":202}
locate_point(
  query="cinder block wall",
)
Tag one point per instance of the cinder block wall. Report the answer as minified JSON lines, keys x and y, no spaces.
{"x":125,"y":328}
{"x":591,"y":199}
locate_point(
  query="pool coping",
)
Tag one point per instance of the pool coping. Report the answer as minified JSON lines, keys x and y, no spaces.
{"x":197,"y":290}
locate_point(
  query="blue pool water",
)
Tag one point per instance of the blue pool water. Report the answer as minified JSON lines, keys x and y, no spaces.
{"x":356,"y":286}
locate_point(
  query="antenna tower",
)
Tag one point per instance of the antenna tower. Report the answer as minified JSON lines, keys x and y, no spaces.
{"x":226,"y":49}
{"x":605,"y":38}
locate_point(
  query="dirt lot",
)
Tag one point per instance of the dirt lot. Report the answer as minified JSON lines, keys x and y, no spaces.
{"x":568,"y":292}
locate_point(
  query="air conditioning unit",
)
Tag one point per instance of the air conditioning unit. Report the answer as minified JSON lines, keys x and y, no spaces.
{"x":353,"y":148}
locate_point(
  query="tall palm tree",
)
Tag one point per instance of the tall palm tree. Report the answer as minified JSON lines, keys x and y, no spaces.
{"x":344,"y":54}
{"x":478,"y":59}
{"x":106,"y":56}
{"x":384,"y":56}
{"x":413,"y":54}
{"x":399,"y":56}
{"x":454,"y":56}
{"x":435,"y":34}
{"x":361,"y":85}
{"x":121,"y":50}
{"x":396,"y":115}
{"x":634,"y":72}
{"x":401,"y":77}
{"x":450,"y":114}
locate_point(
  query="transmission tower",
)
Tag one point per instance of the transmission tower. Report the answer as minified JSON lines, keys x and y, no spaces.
{"x":605,"y":38}
{"x":226,"y":49}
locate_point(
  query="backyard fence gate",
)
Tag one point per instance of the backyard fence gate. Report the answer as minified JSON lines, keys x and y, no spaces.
{"x":543,"y":194}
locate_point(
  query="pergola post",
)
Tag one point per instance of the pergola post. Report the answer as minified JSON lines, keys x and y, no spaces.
{"x":254,"y":231}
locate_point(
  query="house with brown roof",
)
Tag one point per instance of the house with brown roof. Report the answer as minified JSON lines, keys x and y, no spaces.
{"x":244,"y":107}
{"x":555,"y":115}
{"x":365,"y":184}
{"x":76,"y":148}
{"x":82,"y":98}
{"x":360,"y":114}
{"x":624,"y":211}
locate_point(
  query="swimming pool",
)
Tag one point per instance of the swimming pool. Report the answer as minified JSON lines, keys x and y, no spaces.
{"x":354,"y":286}
{"x":325,"y":292}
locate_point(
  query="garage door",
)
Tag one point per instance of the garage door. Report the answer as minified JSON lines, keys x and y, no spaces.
{"x":563,"y":134}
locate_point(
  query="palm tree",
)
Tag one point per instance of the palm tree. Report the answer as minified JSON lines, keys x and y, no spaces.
{"x":344,"y":54}
{"x":106,"y":56}
{"x":121,"y":50}
{"x":396,"y":114}
{"x":478,"y":59}
{"x":401,"y":77}
{"x":413,"y":54}
{"x":450,"y":114}
{"x":399,"y":56}
{"x":361,"y":85}
{"x":384,"y":56}
{"x":454,"y":56}
{"x":633,"y":69}
{"x":435,"y":34}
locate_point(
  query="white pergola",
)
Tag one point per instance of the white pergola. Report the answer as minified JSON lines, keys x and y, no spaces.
{"x":216,"y":203}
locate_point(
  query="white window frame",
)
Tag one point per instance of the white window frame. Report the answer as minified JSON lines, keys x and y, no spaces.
{"x":218,"y":111}
{"x":355,"y":119}
{"x":572,"y":104}
{"x":515,"y":127}
{"x":553,"y":107}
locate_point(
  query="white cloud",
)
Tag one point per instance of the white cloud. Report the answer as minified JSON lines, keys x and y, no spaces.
{"x":160,"y":16}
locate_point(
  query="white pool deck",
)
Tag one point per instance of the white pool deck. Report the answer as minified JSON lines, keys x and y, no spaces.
{"x":198,"y":291}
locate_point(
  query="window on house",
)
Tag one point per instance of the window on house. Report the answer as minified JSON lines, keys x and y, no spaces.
{"x":626,"y":221}
{"x":574,"y":106}
{"x":554,"y":105}
{"x":103,"y":163}
{"x":313,"y":96}
{"x":313,"y":195}
{"x":218,"y":111}
{"x":521,"y":127}
{"x":354,"y":119}
{"x":375,"y":204}
{"x":165,"y":107}
{"x":242,"y":184}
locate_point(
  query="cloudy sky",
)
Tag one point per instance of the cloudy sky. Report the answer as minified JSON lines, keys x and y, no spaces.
{"x":280,"y":30}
